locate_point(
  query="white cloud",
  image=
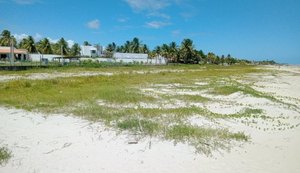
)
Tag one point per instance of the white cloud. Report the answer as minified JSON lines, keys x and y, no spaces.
{"x":37,"y":37}
{"x":94,"y":24}
{"x":70,"y":42}
{"x":157,"y":24}
{"x":176,"y":33}
{"x":150,"y":5}
{"x":123,"y":19}
{"x":158,"y":14}
{"x":26,"y":2}
{"x":52,"y":40}
{"x":19,"y":37}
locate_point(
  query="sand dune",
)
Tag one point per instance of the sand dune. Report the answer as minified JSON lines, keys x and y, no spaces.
{"x":62,"y":143}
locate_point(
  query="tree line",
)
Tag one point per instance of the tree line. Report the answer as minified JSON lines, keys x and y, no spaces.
{"x":174,"y":53}
{"x":44,"y":46}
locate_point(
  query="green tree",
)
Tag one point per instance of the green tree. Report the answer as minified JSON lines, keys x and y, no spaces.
{"x":44,"y":46}
{"x":157,"y":50}
{"x":62,"y":47}
{"x":144,"y":49}
{"x":187,"y":52}
{"x":135,"y":45}
{"x":173,"y":52}
{"x":75,"y":49}
{"x":86,"y":43}
{"x":5,"y":39}
{"x":29,"y":45}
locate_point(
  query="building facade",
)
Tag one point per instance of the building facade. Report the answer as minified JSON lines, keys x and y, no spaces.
{"x":18,"y":54}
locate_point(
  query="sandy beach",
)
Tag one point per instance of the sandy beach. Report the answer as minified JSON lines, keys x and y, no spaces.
{"x":63,"y":143}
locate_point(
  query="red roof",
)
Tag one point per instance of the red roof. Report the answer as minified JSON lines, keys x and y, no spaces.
{"x":16,"y":51}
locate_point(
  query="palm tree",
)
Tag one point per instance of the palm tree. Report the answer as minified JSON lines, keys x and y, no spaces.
{"x":211,"y":57}
{"x":86,"y":43}
{"x":135,"y":45}
{"x":157,"y":50}
{"x":165,"y":51}
{"x":187,"y":52}
{"x":63,"y":45}
{"x":173,"y":51}
{"x":5,"y":39}
{"x":144,"y":49}
{"x":44,"y":46}
{"x":29,"y":44}
{"x":75,"y":49}
{"x":22,"y":43}
{"x":127,"y":47}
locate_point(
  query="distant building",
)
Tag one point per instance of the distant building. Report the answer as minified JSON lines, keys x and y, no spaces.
{"x":91,"y":51}
{"x":138,"y":58}
{"x":130,"y":57}
{"x":19,"y":54}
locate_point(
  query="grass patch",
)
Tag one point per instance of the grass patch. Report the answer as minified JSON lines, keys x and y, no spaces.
{"x":5,"y":155}
{"x":144,"y":126}
{"x":79,"y":95}
{"x":205,"y":140}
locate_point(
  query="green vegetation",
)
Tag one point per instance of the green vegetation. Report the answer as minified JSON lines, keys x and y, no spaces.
{"x":5,"y":155}
{"x":121,"y":100}
{"x":185,"y":53}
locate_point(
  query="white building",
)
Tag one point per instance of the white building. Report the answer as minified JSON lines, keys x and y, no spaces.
{"x":91,"y":51}
{"x":138,"y":58}
{"x":130,"y":57}
{"x":88,"y":51}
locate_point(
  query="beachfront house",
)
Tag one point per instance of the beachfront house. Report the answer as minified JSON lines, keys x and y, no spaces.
{"x":19,"y":54}
{"x":91,"y":51}
{"x":130,"y":57}
{"x":139,"y":58}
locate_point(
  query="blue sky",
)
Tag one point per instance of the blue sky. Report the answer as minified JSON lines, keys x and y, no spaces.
{"x":252,"y":29}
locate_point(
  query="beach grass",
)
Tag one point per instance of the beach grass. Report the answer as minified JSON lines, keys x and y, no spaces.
{"x":117,"y":99}
{"x":5,"y":155}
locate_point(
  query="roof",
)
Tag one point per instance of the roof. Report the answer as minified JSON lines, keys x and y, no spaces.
{"x":17,"y":51}
{"x":130,"y":56}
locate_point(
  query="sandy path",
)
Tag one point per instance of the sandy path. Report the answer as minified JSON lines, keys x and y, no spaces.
{"x":59,"y":143}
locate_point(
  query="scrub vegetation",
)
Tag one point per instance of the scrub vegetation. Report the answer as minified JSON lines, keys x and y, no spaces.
{"x":5,"y":155}
{"x":145,"y":100}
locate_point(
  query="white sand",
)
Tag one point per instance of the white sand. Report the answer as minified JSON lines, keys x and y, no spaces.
{"x":58,"y":143}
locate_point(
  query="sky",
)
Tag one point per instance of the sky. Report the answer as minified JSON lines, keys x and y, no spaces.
{"x":250,"y":29}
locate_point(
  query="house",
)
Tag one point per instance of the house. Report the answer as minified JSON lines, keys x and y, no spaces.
{"x":91,"y":51}
{"x":19,"y":54}
{"x":130,"y":57}
{"x":138,"y":58}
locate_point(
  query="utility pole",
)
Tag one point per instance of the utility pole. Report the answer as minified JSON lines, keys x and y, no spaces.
{"x":61,"y":51}
{"x":11,"y":51}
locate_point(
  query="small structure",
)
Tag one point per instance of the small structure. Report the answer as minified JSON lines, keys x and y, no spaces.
{"x":91,"y":51}
{"x":131,"y":57}
{"x":19,"y":54}
{"x":138,"y":58}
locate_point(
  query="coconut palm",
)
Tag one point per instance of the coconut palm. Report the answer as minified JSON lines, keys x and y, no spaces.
{"x":165,"y":51}
{"x":5,"y":39}
{"x":29,"y":44}
{"x":173,"y":52}
{"x":75,"y":49}
{"x":135,"y":45}
{"x":187,"y":51}
{"x":127,"y":47}
{"x":44,"y":46}
{"x":157,"y":50}
{"x":144,"y":49}
{"x":62,"y":45}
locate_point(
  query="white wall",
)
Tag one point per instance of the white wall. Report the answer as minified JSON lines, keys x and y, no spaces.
{"x":37,"y":57}
{"x":87,"y":51}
